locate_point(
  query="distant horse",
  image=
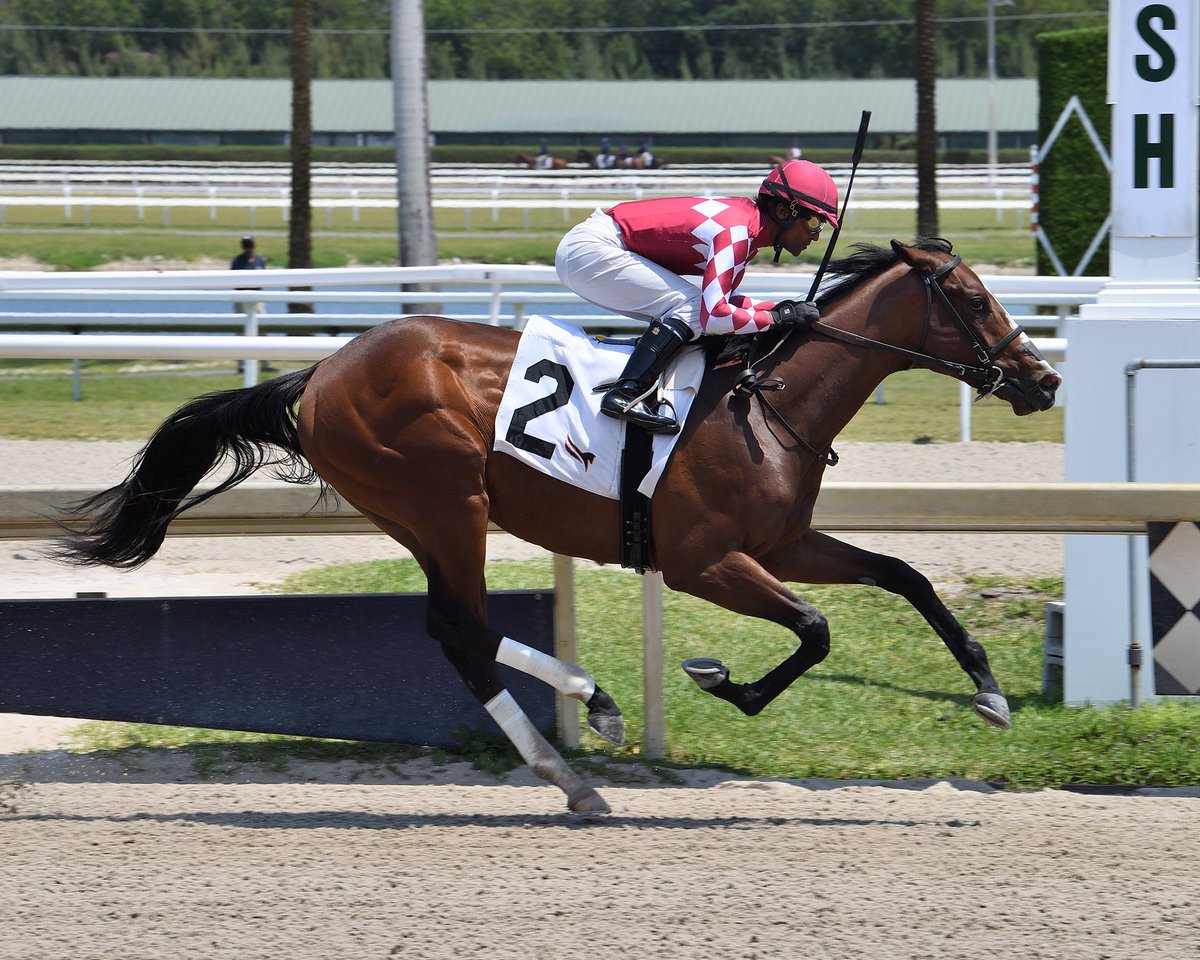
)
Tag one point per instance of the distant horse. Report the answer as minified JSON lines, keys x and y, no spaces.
{"x":537,"y":163}
{"x":620,"y":161}
{"x":401,"y":423}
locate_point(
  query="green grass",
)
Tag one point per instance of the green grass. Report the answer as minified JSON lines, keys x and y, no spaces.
{"x":890,"y":702}
{"x":36,"y":404}
{"x":114,"y":234}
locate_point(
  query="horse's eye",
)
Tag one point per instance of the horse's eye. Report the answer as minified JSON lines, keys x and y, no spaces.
{"x":977,"y":304}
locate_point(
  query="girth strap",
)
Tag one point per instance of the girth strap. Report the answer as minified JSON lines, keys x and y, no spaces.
{"x":637,"y":548}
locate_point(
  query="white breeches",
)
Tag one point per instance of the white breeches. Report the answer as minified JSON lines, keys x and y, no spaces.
{"x":592,"y":261}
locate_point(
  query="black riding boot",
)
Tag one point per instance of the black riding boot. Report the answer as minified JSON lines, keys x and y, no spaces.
{"x":627,"y":400}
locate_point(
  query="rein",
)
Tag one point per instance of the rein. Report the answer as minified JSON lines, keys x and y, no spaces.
{"x":991,"y":376}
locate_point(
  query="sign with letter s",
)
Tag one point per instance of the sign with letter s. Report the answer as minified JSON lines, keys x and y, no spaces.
{"x":1152,"y":85}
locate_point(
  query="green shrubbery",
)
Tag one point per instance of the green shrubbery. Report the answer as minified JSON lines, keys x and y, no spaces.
{"x":1074,"y":188}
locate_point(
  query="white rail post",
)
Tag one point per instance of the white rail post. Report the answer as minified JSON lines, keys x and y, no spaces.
{"x":654,"y":737}
{"x":494,"y":308}
{"x":964,"y":412}
{"x":565,"y":646}
{"x":250,"y":329}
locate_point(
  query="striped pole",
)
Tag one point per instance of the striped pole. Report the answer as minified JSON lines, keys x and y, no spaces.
{"x":1033,"y":179}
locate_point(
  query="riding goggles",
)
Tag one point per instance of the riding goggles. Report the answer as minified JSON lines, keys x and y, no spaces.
{"x":814,"y":224}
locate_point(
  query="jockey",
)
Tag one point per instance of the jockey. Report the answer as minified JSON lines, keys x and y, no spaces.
{"x":632,"y":259}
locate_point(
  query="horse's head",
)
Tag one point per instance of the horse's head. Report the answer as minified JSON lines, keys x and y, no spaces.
{"x":967,"y":329}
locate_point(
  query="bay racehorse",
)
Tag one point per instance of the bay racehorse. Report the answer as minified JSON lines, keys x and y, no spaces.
{"x":621,"y":161}
{"x":400,"y":422}
{"x":540,"y":162}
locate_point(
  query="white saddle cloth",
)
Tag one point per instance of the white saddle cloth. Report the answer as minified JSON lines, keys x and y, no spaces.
{"x":550,"y":415}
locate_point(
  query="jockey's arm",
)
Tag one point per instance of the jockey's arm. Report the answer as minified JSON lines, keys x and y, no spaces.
{"x":722,"y":311}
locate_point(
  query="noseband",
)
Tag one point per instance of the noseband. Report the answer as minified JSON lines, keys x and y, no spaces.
{"x":991,"y":376}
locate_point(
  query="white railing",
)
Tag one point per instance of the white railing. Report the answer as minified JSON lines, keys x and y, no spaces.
{"x":496,"y":294}
{"x":79,"y":187}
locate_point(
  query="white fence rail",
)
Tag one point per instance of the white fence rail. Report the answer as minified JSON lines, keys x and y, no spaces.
{"x":78,"y":188}
{"x":496,"y":294}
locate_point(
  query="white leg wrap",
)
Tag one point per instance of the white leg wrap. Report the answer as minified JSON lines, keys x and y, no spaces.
{"x":517,"y":727}
{"x":541,"y":757}
{"x":567,"y":679}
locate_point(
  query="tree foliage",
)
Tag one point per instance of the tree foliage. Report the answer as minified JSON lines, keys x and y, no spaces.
{"x":527,"y":39}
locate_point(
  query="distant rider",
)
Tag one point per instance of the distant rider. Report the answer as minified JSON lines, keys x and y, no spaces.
{"x":632,"y":259}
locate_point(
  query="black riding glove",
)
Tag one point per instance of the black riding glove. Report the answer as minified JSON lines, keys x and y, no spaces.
{"x":792,"y":313}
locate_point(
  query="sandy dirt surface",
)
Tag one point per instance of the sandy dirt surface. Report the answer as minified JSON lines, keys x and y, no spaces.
{"x":726,"y":869}
{"x":144,"y":858}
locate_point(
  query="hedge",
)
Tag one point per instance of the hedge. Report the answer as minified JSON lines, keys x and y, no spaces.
{"x":1075,"y":192}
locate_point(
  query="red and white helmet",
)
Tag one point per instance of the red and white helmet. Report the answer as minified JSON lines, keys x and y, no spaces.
{"x":802,"y":184}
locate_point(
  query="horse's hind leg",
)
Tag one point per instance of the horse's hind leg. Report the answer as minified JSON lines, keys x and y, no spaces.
{"x":482,"y":678}
{"x":818,"y":558}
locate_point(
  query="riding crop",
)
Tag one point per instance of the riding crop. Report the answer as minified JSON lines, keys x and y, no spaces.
{"x":854,"y":160}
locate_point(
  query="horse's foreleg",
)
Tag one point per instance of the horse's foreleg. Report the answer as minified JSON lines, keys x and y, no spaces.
{"x":740,"y":584}
{"x":818,"y":558}
{"x":482,"y":678}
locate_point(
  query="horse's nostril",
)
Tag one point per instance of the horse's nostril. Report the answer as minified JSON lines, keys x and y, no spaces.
{"x":1050,"y":382}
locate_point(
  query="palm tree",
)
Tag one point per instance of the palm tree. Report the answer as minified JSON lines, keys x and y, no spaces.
{"x":927,"y":136}
{"x":418,"y":241}
{"x":300,"y":227}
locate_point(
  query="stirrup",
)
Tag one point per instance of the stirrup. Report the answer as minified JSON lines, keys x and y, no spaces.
{"x":636,"y":409}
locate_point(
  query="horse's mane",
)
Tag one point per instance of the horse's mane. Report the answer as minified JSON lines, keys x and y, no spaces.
{"x":845,"y":273}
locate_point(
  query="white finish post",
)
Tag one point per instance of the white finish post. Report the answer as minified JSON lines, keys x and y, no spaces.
{"x":654,"y":739}
{"x":1149,"y":308}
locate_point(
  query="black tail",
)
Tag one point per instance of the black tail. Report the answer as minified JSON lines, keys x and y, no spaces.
{"x":249,"y":426}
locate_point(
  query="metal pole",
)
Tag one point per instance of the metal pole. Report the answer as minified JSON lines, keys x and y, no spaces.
{"x":1134,"y":655}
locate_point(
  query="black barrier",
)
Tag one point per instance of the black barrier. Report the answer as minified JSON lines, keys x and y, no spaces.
{"x":353,"y":667}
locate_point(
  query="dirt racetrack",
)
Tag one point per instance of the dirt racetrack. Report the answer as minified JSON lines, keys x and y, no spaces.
{"x":734,"y":869}
{"x":150,"y":861}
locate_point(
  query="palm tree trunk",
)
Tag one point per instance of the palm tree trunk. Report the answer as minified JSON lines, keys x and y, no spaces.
{"x":418,"y":241}
{"x":927,"y":135}
{"x":300,"y":226}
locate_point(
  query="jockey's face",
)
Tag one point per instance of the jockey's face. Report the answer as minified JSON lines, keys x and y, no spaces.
{"x":798,"y":235}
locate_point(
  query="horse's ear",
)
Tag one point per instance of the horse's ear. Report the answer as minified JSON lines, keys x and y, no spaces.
{"x":904,"y":252}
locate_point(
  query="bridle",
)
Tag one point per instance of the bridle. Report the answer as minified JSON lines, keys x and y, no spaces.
{"x":991,"y":376}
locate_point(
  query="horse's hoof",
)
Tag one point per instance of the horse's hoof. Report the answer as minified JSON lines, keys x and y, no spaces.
{"x":706,"y":671}
{"x":588,"y":801}
{"x":608,"y":726}
{"x":993,"y":708}
{"x":604,"y":717}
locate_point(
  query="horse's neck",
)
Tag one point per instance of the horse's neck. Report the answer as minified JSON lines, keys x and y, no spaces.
{"x":827,"y":384}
